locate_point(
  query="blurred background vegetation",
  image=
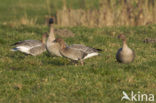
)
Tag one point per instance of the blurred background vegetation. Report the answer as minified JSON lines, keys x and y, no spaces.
{"x":90,"y":13}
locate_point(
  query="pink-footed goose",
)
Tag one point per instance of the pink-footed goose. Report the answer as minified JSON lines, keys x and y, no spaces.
{"x":32,"y":47}
{"x":90,"y":51}
{"x":72,"y":53}
{"x":124,"y":54}
{"x":53,"y":47}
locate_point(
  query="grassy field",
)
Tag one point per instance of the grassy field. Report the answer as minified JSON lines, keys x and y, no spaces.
{"x":15,"y":10}
{"x":45,"y":79}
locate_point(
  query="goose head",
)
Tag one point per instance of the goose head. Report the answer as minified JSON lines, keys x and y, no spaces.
{"x":124,"y":42}
{"x":51,"y":30}
{"x":51,"y":21}
{"x":61,"y":42}
{"x":122,"y":37}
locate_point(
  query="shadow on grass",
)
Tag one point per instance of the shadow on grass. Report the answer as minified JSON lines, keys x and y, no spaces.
{"x":17,"y":55}
{"x":13,"y":68}
{"x":54,"y":60}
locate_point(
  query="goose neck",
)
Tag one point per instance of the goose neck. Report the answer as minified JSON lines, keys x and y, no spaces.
{"x":63,"y":46}
{"x":43,"y":40}
{"x":125,"y":44}
{"x":51,"y":34}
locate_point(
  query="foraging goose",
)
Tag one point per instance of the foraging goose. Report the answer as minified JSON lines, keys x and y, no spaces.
{"x":32,"y":47}
{"x":72,"y":53}
{"x":90,"y":51}
{"x":124,"y":54}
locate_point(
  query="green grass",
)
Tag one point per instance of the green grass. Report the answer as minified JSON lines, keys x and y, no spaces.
{"x":53,"y":79}
{"x":45,"y":79}
{"x":16,"y":9}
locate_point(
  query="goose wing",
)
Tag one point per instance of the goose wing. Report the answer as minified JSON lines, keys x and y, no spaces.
{"x":38,"y":50}
{"x":118,"y":55}
{"x":28,"y":43}
{"x":84,"y":48}
{"x":88,"y":50}
{"x":73,"y":54}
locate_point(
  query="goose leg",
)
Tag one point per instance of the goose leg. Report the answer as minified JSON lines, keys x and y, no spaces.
{"x":82,"y":63}
{"x":75,"y":62}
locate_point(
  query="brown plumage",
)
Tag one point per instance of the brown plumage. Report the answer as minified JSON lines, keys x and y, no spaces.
{"x":124,"y":54}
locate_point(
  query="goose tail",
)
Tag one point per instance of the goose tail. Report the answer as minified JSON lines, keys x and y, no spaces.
{"x":91,"y":55}
{"x":98,"y":50}
{"x":13,"y":49}
{"x":16,"y":43}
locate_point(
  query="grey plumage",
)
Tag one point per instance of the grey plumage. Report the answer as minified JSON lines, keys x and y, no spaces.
{"x":38,"y":50}
{"x":30,"y":43}
{"x":84,"y":48}
{"x":53,"y":47}
{"x":73,"y":53}
{"x":32,"y":47}
{"x":125,"y":54}
{"x":122,"y":57}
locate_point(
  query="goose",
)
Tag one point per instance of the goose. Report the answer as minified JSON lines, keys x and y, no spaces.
{"x":32,"y":47}
{"x":125,"y":54}
{"x":72,"y":53}
{"x":53,"y":47}
{"x":90,"y":51}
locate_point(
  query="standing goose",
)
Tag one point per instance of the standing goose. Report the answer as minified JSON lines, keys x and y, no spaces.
{"x":70,"y":52}
{"x":53,"y":47}
{"x":32,"y":47}
{"x":124,"y":54}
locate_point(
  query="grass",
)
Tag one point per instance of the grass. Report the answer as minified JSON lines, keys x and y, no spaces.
{"x":54,"y":79}
{"x":14,"y":10}
{"x":45,"y":79}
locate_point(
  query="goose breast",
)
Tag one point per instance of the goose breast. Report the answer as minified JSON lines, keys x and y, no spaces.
{"x":125,"y":56}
